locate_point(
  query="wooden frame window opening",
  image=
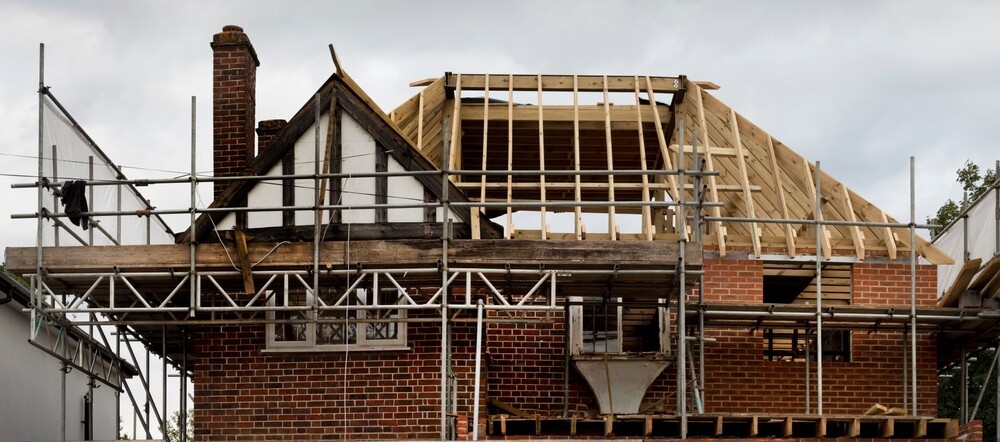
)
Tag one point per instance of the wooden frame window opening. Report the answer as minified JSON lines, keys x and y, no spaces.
{"x":796,"y":283}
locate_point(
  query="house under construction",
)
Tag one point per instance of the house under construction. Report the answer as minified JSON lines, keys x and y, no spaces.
{"x":508,"y":255}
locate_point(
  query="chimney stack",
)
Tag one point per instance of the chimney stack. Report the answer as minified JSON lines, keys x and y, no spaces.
{"x":234,"y":84}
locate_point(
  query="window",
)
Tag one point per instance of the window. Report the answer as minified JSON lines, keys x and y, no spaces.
{"x":610,"y":326}
{"x":333,"y":330}
{"x":795,"y":283}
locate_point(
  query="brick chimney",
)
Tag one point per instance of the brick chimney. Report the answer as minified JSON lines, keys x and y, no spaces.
{"x":234,"y":84}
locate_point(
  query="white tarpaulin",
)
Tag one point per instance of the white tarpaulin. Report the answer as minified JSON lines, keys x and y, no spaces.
{"x":69,"y":155}
{"x":981,"y":243}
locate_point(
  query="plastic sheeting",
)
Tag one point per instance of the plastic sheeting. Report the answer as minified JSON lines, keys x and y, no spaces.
{"x":982,"y":238}
{"x":69,"y":155}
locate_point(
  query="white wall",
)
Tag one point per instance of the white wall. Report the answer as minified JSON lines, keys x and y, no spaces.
{"x":31,"y":389}
{"x":358,"y":155}
{"x":982,"y":239}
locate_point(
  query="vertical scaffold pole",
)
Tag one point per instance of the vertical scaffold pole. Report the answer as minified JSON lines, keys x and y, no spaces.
{"x":446,"y":212}
{"x":192,"y":238}
{"x":699,"y":197}
{"x":819,"y":297}
{"x":163,"y":352}
{"x":479,"y":358}
{"x":41,"y":174}
{"x":317,"y":213}
{"x":681,"y":264}
{"x":913,"y":289}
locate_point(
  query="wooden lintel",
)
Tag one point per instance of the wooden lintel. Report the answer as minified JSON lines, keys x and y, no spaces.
{"x":562,"y":83}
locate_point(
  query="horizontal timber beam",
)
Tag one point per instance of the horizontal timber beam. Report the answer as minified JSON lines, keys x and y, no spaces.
{"x":564,"y":83}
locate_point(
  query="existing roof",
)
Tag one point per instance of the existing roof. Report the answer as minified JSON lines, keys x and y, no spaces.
{"x":350,"y":98}
{"x":759,"y":176}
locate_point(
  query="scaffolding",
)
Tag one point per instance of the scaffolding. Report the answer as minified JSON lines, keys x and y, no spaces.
{"x":166,"y":288}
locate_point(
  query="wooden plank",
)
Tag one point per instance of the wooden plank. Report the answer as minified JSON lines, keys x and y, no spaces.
{"x":541,"y":156}
{"x":889,"y":238}
{"x":982,"y":279}
{"x":331,"y":129}
{"x":720,"y":231}
{"x":563,"y":83}
{"x":786,"y":427}
{"x":538,"y":425}
{"x":718,"y":426}
{"x":960,"y":284}
{"x":888,"y":428}
{"x":509,"y":408}
{"x":920,"y":429}
{"x":503,"y":424}
{"x":752,"y":430}
{"x":420,"y":121}
{"x":624,"y":115}
{"x":572,"y":425}
{"x":662,"y":139}
{"x":715,"y":150}
{"x":524,"y":253}
{"x":820,"y":427}
{"x":896,"y":411}
{"x":612,"y":224}
{"x":951,"y":429}
{"x":745,"y":182}
{"x":780,"y":191}
{"x":820,"y":230}
{"x":456,"y":129}
{"x":856,"y":235}
{"x":876,"y":410}
{"x":648,"y":427}
{"x":609,"y":425}
{"x":510,"y":156}
{"x":578,"y":215}
{"x":855,"y":428}
{"x":482,"y":179}
{"x":241,"y":254}
{"x":646,"y":214}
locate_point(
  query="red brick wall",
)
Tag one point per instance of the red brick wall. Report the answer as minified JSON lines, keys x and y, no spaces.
{"x":234,"y":80}
{"x":738,"y":379}
{"x":243,"y":393}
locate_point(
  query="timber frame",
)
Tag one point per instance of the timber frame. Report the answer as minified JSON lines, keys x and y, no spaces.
{"x":702,"y":180}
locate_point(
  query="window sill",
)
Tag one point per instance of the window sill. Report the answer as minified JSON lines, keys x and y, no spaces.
{"x":334,"y":349}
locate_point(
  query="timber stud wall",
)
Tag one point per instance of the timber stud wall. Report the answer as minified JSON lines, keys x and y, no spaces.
{"x":234,"y":79}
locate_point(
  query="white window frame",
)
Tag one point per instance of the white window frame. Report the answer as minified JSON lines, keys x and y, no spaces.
{"x":362,"y":342}
{"x":576,"y":319}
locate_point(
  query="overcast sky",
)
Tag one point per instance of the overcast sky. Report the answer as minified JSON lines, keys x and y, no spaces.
{"x":860,"y":86}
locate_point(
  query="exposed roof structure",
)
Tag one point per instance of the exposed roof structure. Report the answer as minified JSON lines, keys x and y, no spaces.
{"x":758,"y":176}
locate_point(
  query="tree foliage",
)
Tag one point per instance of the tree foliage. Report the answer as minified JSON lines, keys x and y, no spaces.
{"x":174,"y":426}
{"x":974,"y":184}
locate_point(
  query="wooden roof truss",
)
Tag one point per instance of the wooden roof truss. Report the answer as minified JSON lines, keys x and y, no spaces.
{"x":625,"y":127}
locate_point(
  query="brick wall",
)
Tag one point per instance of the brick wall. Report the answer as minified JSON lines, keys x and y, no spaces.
{"x":244,"y":393}
{"x":234,"y":79}
{"x":738,"y":379}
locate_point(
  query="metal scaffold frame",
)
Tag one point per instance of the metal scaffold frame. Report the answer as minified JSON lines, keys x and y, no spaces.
{"x":141,"y":308}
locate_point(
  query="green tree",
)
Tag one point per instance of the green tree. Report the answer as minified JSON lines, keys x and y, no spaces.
{"x":173,"y":426}
{"x":974,"y":184}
